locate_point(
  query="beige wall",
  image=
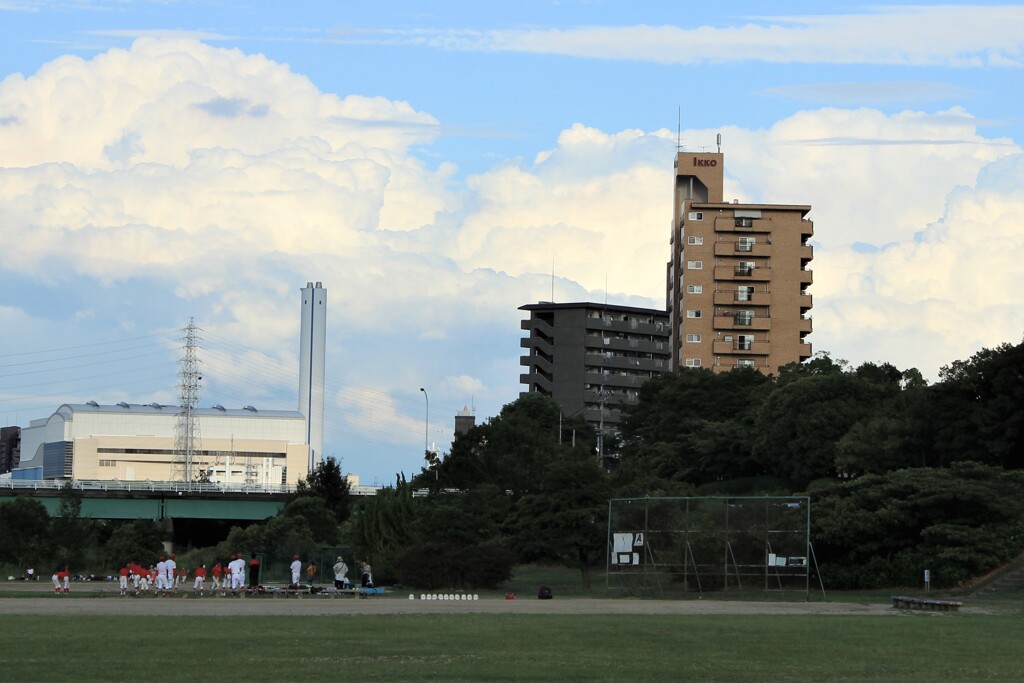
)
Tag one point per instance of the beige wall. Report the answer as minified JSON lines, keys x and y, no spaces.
{"x":226,"y":458}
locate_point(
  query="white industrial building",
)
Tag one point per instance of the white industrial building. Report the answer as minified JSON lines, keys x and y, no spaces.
{"x":144,"y":442}
{"x":130,"y":442}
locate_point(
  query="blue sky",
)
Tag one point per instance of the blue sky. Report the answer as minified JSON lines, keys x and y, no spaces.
{"x":430,"y":161}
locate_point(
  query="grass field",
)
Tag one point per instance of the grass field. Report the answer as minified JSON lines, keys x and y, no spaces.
{"x":917,"y":647}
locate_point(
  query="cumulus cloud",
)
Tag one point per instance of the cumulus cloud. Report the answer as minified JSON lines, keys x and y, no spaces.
{"x":942,"y":295}
{"x":175,"y":179}
{"x":871,"y":177}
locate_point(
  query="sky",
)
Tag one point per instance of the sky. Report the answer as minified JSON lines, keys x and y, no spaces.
{"x":438,"y":165}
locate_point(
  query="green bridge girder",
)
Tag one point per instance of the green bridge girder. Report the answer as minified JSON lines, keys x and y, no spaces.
{"x":168,"y":506}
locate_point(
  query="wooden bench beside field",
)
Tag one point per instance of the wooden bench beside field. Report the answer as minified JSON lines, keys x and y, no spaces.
{"x":906,"y":602}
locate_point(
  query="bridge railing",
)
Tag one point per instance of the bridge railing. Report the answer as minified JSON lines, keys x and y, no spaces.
{"x":161,"y":486}
{"x":146,"y":486}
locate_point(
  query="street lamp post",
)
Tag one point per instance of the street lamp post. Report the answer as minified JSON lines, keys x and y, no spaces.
{"x":426,"y":431}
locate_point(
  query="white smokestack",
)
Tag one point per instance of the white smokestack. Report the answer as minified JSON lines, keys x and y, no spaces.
{"x":311,"y":367}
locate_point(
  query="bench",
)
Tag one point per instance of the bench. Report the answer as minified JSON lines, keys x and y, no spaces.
{"x":322,"y":592}
{"x":906,"y":602}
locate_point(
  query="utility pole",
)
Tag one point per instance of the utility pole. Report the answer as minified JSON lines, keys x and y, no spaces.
{"x":602,"y":396}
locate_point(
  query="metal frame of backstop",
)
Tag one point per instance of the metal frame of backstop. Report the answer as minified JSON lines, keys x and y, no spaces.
{"x":663,"y":546}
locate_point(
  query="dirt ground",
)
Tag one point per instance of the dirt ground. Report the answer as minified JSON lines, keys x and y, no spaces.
{"x":103,"y":599}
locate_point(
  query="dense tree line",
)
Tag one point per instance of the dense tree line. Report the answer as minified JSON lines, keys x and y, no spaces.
{"x":902,"y":474}
{"x":29,"y":537}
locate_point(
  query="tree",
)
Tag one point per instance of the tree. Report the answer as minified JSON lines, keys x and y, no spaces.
{"x":72,"y":535}
{"x":801,"y":422}
{"x":511,"y":451}
{"x":321,"y":523}
{"x":567,"y":519}
{"x":24,"y":532}
{"x":382,"y":525}
{"x":327,"y":482}
{"x":976,"y":411}
{"x":884,"y":530}
{"x":690,"y":428}
{"x":140,"y":540}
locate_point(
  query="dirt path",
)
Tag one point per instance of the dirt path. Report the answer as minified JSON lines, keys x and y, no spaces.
{"x":107,"y":602}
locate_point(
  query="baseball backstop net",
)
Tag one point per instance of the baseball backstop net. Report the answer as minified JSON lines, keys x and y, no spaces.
{"x":675,"y":546}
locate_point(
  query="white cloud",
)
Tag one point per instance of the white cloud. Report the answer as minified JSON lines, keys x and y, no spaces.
{"x":195,"y":181}
{"x":942,"y":295}
{"x":948,"y":35}
{"x":859,"y":94}
{"x":884,"y":188}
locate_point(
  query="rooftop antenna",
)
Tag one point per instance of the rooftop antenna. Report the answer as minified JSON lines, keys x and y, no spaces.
{"x":552,"y":278}
{"x":719,"y":143}
{"x":679,"y":129}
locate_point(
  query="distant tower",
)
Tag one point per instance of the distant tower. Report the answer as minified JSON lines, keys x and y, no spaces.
{"x":464,"y":420}
{"x":311,"y":367}
{"x":186,"y":433}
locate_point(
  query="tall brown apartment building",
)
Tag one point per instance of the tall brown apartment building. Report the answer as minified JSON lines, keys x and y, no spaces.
{"x":738,"y":278}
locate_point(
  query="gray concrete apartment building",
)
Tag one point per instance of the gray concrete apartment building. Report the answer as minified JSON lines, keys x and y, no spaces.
{"x":593,"y":358}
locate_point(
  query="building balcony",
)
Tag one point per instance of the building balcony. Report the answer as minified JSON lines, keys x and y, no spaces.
{"x":742,"y":225}
{"x":806,"y":326}
{"x":533,"y":380}
{"x":735,"y":248}
{"x":758,"y":274}
{"x":807,"y":277}
{"x":804,"y":351}
{"x":634,"y":345}
{"x":542,"y":346}
{"x":628,"y":364}
{"x":740,"y":324}
{"x":614,"y":379}
{"x":539,"y":363}
{"x":726,"y":364}
{"x":806,"y":253}
{"x":728,"y":298}
{"x":757,"y":348}
{"x":538,"y":326}
{"x":656,"y":329}
{"x":806,"y":301}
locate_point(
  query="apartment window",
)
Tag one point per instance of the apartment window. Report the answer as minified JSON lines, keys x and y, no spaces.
{"x":745,"y":363}
{"x":745,"y":268}
{"x":108,"y":463}
{"x":745,"y":244}
{"x":694,"y":289}
{"x":693,"y":338}
{"x":744,"y":317}
{"x":695,"y":265}
{"x":693,"y":362}
{"x":744,"y":342}
{"x":744,"y":222}
{"x":696,"y":216}
{"x":692,"y":312}
{"x":744,"y":293}
{"x":694,"y":240}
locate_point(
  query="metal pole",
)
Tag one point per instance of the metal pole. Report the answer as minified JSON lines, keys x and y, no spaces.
{"x":426,"y":431}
